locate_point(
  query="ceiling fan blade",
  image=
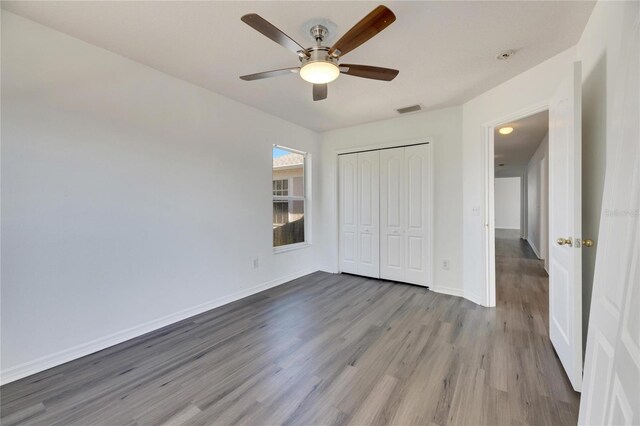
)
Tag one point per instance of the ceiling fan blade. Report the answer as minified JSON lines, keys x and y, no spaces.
{"x":379,"y":19}
{"x":267,"y":29}
{"x":319,"y":92}
{"x":366,"y":71}
{"x":269,"y":74}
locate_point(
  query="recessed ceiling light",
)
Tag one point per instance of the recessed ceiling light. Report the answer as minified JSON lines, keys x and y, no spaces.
{"x":505,"y":130}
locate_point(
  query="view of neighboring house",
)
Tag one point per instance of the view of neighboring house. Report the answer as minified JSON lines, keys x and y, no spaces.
{"x":288,"y":197}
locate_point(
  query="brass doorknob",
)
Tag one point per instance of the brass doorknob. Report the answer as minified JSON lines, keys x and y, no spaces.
{"x":564,"y":242}
{"x":587,"y":243}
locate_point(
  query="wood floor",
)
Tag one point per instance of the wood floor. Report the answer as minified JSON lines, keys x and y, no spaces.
{"x":325,"y":349}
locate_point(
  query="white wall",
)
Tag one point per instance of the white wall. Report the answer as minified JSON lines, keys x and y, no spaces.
{"x":443,"y":127}
{"x":508,"y":203}
{"x":538,"y":198}
{"x":531,"y":88}
{"x":130,"y":199}
{"x":510,"y":171}
{"x":521,"y":172}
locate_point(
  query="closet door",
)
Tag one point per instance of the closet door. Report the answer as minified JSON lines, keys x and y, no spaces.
{"x":348,"y":211}
{"x":369,"y":214}
{"x":417,"y":229}
{"x":392,"y":213}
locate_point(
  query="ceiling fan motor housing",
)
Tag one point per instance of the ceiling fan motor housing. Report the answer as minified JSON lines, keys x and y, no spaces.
{"x":318,"y":54}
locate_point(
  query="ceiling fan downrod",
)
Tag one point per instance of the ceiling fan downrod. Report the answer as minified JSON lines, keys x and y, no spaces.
{"x":319,"y":33}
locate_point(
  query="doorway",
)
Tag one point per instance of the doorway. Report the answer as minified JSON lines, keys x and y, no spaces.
{"x":563,"y":219}
{"x":518,"y":188}
{"x":521,"y":193}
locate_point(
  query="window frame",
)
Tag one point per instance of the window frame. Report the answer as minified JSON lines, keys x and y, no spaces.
{"x":305,"y":198}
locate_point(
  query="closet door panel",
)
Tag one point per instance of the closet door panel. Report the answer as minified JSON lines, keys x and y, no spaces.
{"x":416,"y":163}
{"x":348,"y":212}
{"x":392,"y":211}
{"x":369,"y":214}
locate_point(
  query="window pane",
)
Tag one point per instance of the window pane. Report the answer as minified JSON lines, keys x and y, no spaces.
{"x":297,"y":187}
{"x":288,"y":222}
{"x":280,"y":188}
{"x":280,"y":213}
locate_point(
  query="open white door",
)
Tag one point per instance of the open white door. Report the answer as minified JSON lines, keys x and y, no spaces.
{"x":565,"y":224}
{"x":611,"y":393}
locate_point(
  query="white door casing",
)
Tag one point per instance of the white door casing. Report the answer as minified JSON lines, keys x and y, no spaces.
{"x":417,"y":221}
{"x":348,"y":212}
{"x":368,"y":204}
{"x":612,"y":363}
{"x":565,"y":224}
{"x":392,"y":214}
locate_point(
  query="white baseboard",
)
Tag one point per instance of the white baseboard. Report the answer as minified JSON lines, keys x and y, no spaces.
{"x":459,"y":293}
{"x":535,"y":249}
{"x":48,"y":361}
{"x":447,"y":290}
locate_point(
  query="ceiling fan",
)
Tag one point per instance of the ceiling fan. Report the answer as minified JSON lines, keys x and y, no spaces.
{"x":321,"y":64}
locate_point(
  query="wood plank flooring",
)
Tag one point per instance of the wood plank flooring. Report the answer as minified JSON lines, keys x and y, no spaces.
{"x":325,"y":349}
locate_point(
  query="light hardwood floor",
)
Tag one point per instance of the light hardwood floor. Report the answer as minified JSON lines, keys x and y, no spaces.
{"x":326,"y":349}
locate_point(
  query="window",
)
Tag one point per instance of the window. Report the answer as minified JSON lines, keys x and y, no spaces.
{"x":281,"y":187}
{"x":289,"y":200}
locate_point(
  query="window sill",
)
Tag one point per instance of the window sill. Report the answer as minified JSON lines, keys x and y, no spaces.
{"x":290,"y":247}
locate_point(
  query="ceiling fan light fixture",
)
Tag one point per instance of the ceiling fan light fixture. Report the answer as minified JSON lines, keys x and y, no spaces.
{"x":319,"y":72}
{"x":505,"y":130}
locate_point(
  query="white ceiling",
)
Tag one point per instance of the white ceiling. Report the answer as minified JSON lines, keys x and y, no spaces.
{"x":445,"y":50}
{"x":516,"y":148}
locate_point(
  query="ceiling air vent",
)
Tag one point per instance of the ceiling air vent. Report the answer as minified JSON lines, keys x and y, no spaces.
{"x":412,"y":108}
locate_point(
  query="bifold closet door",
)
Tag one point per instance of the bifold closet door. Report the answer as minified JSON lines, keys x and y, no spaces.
{"x":368,"y":258}
{"x":360,"y":213}
{"x":348,"y":212}
{"x":392,"y":210}
{"x":384,"y":214}
{"x":359,"y":210}
{"x":417,"y":239}
{"x":404,"y":214}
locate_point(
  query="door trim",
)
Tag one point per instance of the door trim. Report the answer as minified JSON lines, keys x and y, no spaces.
{"x":385,"y":145}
